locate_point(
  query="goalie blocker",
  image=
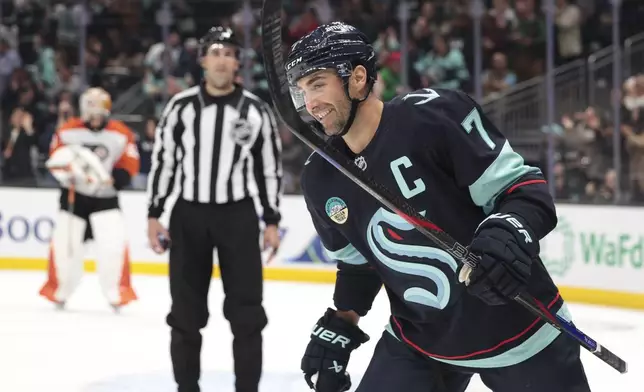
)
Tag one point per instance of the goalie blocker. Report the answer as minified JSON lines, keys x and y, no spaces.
{"x":92,"y":158}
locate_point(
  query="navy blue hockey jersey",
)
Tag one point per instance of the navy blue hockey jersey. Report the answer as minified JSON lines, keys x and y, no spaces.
{"x":436,"y":149}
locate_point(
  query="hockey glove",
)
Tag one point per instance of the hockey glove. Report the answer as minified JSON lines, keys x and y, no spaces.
{"x":327,"y":354}
{"x":507,"y":249}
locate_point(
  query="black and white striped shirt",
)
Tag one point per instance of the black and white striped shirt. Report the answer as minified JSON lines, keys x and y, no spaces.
{"x":218,"y":150}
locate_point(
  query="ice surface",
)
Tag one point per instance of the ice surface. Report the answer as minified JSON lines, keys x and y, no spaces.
{"x":87,"y":348}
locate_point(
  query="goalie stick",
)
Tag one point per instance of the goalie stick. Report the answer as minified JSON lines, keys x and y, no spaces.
{"x":271,"y":30}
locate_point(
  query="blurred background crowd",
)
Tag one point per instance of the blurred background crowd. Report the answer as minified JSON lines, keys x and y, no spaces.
{"x":585,"y":128}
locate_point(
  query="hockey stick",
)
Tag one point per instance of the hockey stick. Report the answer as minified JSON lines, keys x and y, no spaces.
{"x":71,"y":203}
{"x":280,"y":94}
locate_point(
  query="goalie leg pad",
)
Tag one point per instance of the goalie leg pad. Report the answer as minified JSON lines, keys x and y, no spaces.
{"x":65,"y":265}
{"x":112,"y":256}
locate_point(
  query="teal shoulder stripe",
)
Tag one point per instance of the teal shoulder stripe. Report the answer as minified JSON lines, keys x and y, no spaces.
{"x":349,"y":254}
{"x":506,"y":169}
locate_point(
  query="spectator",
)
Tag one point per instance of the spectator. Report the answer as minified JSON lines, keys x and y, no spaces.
{"x":633,"y":132}
{"x":499,"y":22}
{"x":389,"y":77}
{"x":172,"y":51}
{"x":67,"y":16}
{"x":606,"y":192}
{"x":528,"y":40}
{"x":304,"y":24}
{"x":499,"y":78}
{"x":589,"y":136}
{"x":562,"y":190}
{"x":443,"y":67}
{"x":59,"y":113}
{"x":45,"y":62}
{"x":66,"y":80}
{"x":145,"y":145}
{"x":17,"y":149}
{"x":387,"y":42}
{"x":426,"y":26}
{"x":568,"y":20}
{"x":9,"y":62}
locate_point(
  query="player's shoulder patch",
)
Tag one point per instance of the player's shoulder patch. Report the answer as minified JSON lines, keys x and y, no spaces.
{"x":337,"y":210}
{"x":435,"y":106}
{"x":431,"y":97}
{"x":420,"y":97}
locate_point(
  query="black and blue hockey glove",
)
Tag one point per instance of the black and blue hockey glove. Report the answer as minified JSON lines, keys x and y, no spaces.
{"x":507,"y":248}
{"x":328,"y":352}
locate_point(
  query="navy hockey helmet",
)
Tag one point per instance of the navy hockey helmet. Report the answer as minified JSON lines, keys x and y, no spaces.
{"x":336,"y":46}
{"x":217,"y":35}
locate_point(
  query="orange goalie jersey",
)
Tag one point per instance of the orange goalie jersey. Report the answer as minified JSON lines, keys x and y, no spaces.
{"x":115,"y":146}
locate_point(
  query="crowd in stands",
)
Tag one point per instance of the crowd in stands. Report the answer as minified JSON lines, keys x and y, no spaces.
{"x":43,"y":70}
{"x":585,"y":171}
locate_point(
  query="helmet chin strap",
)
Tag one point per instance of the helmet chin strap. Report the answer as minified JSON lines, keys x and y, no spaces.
{"x":355,"y":102}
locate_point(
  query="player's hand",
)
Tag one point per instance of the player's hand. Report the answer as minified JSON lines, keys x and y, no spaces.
{"x":272,"y":240}
{"x":325,"y":361}
{"x":158,"y":236}
{"x":507,"y":248}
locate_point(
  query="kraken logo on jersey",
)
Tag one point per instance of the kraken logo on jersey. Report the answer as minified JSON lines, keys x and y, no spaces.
{"x":385,"y":249}
{"x":337,"y":210}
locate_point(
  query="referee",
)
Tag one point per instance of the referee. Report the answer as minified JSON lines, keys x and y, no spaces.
{"x":219,"y":143}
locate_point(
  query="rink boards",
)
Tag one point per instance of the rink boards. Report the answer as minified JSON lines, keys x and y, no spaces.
{"x":596,"y":253}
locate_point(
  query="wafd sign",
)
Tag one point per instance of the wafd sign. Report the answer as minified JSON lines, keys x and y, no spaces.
{"x":597,"y":247}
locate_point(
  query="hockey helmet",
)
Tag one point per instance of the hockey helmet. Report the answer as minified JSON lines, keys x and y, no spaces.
{"x":338,"y":46}
{"x":95,"y":102}
{"x":218,"y":35}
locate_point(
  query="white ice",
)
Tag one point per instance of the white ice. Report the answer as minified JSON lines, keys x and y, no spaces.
{"x":87,"y":348}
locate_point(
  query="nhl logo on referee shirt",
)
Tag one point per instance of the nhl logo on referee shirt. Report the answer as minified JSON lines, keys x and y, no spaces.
{"x":337,"y":210}
{"x":241,"y":131}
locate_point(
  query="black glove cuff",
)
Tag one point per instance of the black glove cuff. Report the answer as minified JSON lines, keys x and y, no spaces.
{"x":336,"y":333}
{"x":516,"y":226}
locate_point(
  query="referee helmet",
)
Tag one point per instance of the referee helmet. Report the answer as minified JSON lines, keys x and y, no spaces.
{"x":218,"y":35}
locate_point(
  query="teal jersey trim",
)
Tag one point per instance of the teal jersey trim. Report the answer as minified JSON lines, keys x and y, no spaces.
{"x":506,"y":169}
{"x":541,"y":339}
{"x":349,"y":254}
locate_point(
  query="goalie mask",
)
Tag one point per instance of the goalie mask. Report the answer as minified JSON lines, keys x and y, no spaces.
{"x":95,"y":108}
{"x":337,"y":46}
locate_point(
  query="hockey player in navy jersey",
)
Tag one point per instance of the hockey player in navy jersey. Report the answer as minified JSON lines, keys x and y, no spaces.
{"x":436,"y":149}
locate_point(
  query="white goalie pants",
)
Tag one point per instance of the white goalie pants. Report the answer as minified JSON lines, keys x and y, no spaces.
{"x":67,"y":254}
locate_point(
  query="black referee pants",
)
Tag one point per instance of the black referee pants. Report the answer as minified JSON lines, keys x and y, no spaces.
{"x":195,"y":230}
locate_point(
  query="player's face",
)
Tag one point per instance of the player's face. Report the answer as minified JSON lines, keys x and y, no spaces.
{"x":96,"y":121}
{"x":326,"y":100}
{"x":221,"y":65}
